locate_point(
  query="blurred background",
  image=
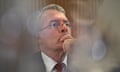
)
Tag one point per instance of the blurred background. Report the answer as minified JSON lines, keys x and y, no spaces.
{"x":95,"y":26}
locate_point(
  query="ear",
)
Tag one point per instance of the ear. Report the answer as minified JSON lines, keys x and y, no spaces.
{"x":40,"y":34}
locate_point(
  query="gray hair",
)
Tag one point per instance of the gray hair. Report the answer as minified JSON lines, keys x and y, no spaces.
{"x":52,"y":7}
{"x":34,"y":21}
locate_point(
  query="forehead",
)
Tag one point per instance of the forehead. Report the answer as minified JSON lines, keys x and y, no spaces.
{"x":53,"y":15}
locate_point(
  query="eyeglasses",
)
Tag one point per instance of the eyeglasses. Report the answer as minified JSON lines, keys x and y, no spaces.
{"x":56,"y":24}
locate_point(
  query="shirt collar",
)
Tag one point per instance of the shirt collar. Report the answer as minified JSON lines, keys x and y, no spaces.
{"x":50,"y":63}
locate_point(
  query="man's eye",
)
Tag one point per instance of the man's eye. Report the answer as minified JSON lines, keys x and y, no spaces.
{"x":55,"y":24}
{"x":68,"y":24}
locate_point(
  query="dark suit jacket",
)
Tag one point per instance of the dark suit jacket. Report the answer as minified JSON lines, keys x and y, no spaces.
{"x":32,"y":64}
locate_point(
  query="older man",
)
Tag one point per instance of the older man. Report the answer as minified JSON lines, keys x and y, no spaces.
{"x":54,"y":41}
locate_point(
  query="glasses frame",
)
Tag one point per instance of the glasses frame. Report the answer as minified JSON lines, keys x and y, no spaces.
{"x":55,"y":24}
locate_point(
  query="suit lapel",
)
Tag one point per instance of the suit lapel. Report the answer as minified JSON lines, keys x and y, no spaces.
{"x":38,"y":63}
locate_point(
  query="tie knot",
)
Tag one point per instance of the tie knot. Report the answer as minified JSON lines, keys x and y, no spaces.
{"x":59,"y":67}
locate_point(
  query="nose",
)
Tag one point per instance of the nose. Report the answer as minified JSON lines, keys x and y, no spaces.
{"x":63,"y":28}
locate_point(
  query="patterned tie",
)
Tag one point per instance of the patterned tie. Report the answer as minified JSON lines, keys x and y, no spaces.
{"x":59,"y":67}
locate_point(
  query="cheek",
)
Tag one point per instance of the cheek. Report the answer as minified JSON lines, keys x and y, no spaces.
{"x":49,"y":35}
{"x":54,"y":35}
{"x":69,"y":31}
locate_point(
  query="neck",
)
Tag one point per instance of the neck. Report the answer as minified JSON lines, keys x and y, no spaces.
{"x":57,"y":55}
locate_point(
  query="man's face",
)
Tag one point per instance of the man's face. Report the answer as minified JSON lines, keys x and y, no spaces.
{"x":56,"y":30}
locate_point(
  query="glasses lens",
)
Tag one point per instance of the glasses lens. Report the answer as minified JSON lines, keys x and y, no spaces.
{"x":55,"y":24}
{"x":68,"y":24}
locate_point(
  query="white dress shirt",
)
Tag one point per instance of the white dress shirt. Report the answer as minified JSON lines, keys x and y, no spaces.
{"x":50,"y":63}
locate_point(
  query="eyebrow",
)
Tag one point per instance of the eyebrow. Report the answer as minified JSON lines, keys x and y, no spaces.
{"x":54,"y":21}
{"x":65,"y":21}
